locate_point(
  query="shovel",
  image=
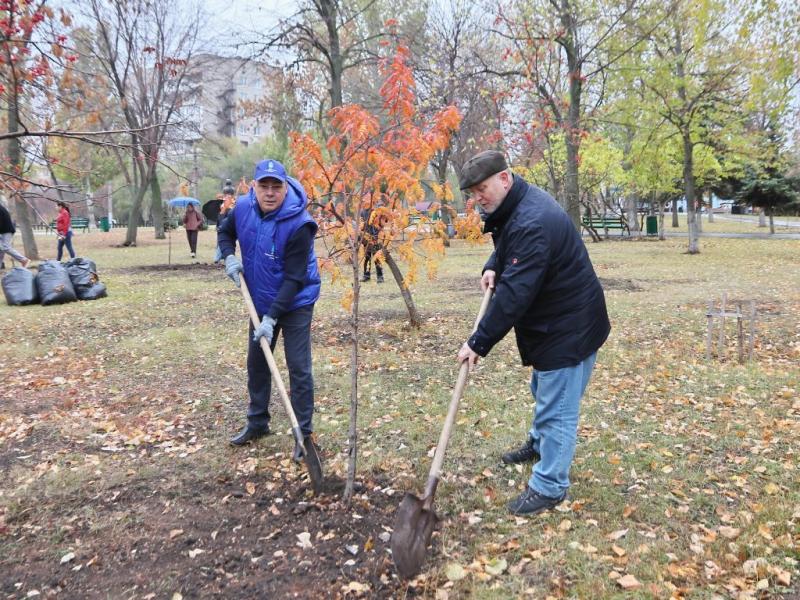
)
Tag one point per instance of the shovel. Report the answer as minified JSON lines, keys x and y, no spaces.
{"x":303,"y":448}
{"x":415,"y":518}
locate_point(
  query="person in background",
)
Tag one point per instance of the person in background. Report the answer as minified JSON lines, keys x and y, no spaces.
{"x":369,"y":239}
{"x":64,"y":230}
{"x":228,"y":197}
{"x":7,"y":231}
{"x":192,"y":221}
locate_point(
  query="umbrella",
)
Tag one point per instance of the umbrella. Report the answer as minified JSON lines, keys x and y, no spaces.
{"x":182,"y":202}
{"x":211,"y":210}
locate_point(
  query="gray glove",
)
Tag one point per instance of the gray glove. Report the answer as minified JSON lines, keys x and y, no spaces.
{"x":265,"y":329}
{"x":233,"y":266}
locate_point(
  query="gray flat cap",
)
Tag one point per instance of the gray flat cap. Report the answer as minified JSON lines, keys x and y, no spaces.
{"x":480,"y":167}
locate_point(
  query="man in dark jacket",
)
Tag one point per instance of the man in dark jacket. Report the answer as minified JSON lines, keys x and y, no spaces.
{"x":547,"y":290}
{"x":7,"y":231}
{"x":276,"y":242}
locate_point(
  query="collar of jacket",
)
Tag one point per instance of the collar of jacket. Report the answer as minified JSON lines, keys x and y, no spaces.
{"x":495,"y":221}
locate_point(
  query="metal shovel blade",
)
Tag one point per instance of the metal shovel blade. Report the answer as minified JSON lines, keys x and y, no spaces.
{"x":413,"y":528}
{"x":313,"y":464}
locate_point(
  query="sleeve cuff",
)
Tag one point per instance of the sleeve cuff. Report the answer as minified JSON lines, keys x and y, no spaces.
{"x":478,"y":346}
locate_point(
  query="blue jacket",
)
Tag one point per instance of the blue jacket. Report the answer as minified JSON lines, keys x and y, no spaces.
{"x":262,"y":243}
{"x":546,"y":287}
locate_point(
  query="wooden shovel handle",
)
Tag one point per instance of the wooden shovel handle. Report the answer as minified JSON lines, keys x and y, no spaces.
{"x":273,"y":368}
{"x":444,"y":437}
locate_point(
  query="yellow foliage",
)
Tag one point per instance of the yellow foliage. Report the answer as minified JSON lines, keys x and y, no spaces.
{"x":347,"y":300}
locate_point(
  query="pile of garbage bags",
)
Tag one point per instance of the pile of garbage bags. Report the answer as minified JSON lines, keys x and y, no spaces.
{"x":54,"y":283}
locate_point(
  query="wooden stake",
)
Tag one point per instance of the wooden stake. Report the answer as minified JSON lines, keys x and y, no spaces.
{"x":721,"y":352}
{"x":739,"y":332}
{"x":752,"y":329}
{"x":709,"y":334}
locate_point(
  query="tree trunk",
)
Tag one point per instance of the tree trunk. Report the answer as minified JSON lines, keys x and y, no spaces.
{"x":762,"y":217}
{"x":688,"y":181}
{"x":327,"y":10}
{"x":134,"y":215}
{"x":352,"y":437}
{"x":710,"y":207}
{"x":632,"y":215}
{"x":413,"y":315}
{"x":771,"y":220}
{"x":157,"y":207}
{"x":24,"y":221}
{"x":661,"y":234}
{"x":675,"y":222}
{"x":573,"y":132}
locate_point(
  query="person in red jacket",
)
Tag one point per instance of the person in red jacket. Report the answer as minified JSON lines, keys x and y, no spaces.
{"x":64,"y":230}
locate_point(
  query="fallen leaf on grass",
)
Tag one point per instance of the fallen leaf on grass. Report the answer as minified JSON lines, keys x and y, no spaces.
{"x":496,"y":566}
{"x":565,"y":525}
{"x":67,"y":557}
{"x":455,"y":572}
{"x":250,"y":487}
{"x":196,"y":552}
{"x":628,"y":582}
{"x":175,"y":533}
{"x":620,"y":533}
{"x":729,"y":532}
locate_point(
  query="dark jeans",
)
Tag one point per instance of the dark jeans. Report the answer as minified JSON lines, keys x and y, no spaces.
{"x":67,"y":241}
{"x":296,"y":329}
{"x":370,"y":251}
{"x":191,"y":235}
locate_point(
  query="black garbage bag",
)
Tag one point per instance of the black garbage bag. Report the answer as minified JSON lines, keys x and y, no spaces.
{"x":83,"y":275}
{"x":19,"y":286}
{"x":98,"y":290}
{"x":54,"y":284}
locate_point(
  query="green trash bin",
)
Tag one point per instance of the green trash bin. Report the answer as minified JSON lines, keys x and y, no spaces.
{"x":652,"y":225}
{"x":104,"y":224}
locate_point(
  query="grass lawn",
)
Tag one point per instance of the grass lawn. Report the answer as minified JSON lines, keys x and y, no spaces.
{"x":118,"y":481}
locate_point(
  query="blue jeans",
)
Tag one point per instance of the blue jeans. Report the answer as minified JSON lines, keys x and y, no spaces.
{"x":67,"y":241}
{"x":555,"y":424}
{"x":296,"y":329}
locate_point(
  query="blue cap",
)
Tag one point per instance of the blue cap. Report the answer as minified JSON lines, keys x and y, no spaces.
{"x":270,"y":168}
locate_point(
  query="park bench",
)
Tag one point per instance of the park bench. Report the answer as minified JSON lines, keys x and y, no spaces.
{"x":605,"y":222}
{"x":76,"y":222}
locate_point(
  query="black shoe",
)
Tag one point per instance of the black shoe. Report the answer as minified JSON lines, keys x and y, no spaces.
{"x":531,"y":502}
{"x":380,"y":279}
{"x":365,"y":277}
{"x":524,"y":454}
{"x":248,"y":434}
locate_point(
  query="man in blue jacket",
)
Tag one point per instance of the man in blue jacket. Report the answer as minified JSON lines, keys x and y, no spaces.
{"x":547,"y":290}
{"x":276,"y":242}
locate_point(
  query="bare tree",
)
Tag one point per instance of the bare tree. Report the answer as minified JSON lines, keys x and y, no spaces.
{"x":560,"y":50}
{"x":144,"y":48}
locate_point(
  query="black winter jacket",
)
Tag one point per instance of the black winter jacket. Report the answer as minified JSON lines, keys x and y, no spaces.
{"x":6,"y":224}
{"x":546,"y":287}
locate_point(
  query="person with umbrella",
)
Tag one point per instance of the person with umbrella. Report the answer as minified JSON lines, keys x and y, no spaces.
{"x":192,"y":221}
{"x":276,"y":242}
